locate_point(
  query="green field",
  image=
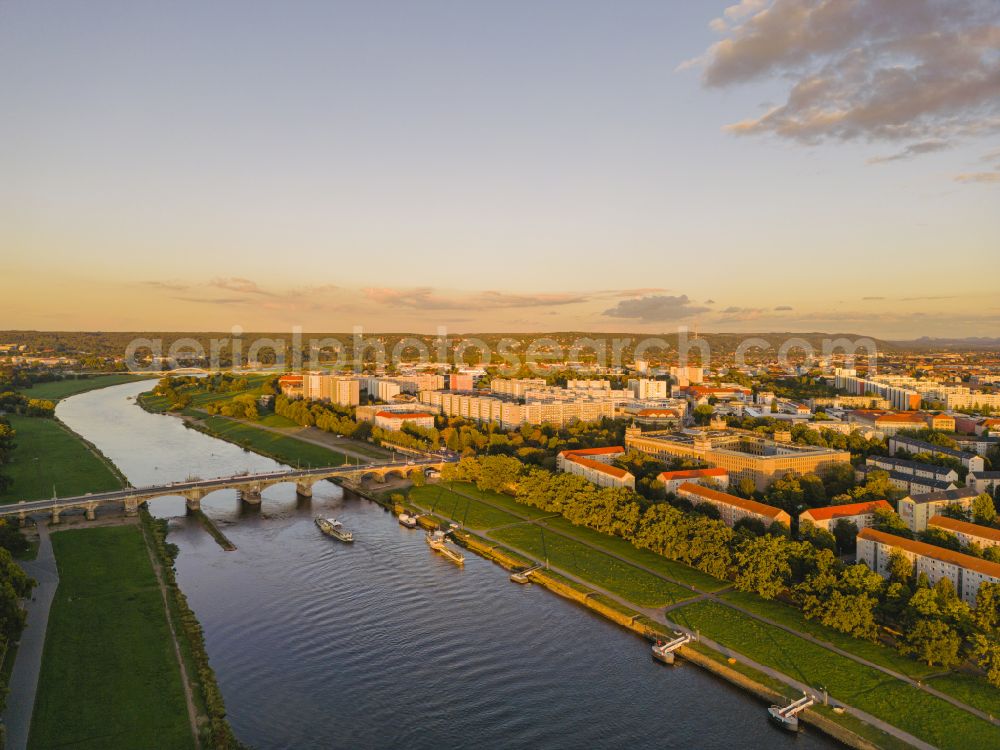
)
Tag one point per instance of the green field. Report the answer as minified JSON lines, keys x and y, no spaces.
{"x":109,"y":676}
{"x":464,"y":510}
{"x":793,"y":618}
{"x":909,"y":708}
{"x":59,"y":389}
{"x":627,"y":581}
{"x":64,"y":462}
{"x":282,"y":448}
{"x":970,"y":689}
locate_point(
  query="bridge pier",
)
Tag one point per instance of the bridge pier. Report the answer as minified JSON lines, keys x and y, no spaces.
{"x":250,"y":494}
{"x":131,"y":506}
{"x":193,"y":500}
{"x":22,"y":519}
{"x":91,"y":512}
{"x":304,"y":489}
{"x":55,"y":515}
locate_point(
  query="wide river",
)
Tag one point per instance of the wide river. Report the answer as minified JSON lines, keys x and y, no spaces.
{"x":382,"y":644}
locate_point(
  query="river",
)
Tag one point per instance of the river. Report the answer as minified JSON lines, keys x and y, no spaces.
{"x":382,"y":644}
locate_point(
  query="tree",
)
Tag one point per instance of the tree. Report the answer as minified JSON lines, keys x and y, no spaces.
{"x":845,"y":533}
{"x":900,"y":568}
{"x":889,"y":521}
{"x":703,"y":414}
{"x":986,"y":614}
{"x":987,"y":653}
{"x":933,"y":642}
{"x":762,"y":566}
{"x":983,"y":510}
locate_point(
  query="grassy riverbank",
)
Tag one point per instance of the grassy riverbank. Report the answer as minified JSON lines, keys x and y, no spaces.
{"x":60,"y":389}
{"x":905,"y":706}
{"x":110,"y":676}
{"x":282,"y":448}
{"x":49,"y":456}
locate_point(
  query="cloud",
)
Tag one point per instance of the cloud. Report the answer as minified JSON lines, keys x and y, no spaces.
{"x":914,"y":149}
{"x":166,"y":285}
{"x":656,"y":308}
{"x":872,"y":298}
{"x":925,"y":299}
{"x":424,"y":298}
{"x":889,"y":70}
{"x":237,"y":284}
{"x":710,"y":302}
{"x":783,"y":308}
{"x":982,"y":177}
{"x":215,"y":300}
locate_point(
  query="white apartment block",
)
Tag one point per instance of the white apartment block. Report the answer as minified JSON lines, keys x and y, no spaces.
{"x":646,"y":388}
{"x":967,"y":533}
{"x":335,"y":389}
{"x":917,"y":510}
{"x":965,"y":572}
{"x":732,"y":508}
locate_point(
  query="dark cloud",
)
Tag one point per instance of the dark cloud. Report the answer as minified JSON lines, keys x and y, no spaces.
{"x":656,"y":308}
{"x":710,"y":302}
{"x":782,"y":308}
{"x":872,"y":298}
{"x":914,"y":149}
{"x":921,"y":70}
{"x":925,"y":299}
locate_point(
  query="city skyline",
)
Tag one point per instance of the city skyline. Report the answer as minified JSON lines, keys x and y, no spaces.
{"x":726,"y":167}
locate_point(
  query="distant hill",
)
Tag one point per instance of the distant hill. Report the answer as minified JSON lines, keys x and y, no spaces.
{"x":963,"y":344}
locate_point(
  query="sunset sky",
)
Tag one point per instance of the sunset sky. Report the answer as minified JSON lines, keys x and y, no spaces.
{"x":795,"y":165}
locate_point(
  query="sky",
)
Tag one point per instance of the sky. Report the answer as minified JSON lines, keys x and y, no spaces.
{"x":764,"y":165}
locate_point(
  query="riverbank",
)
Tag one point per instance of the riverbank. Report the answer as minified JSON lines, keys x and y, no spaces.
{"x":918,"y":710}
{"x":109,"y":674}
{"x":57,"y":390}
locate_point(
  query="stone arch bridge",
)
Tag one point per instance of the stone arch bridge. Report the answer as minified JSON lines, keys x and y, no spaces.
{"x":248,"y":486}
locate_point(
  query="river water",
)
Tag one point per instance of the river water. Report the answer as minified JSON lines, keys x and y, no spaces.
{"x":382,"y":644}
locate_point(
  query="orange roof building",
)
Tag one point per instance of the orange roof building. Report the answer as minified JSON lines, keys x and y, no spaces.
{"x":862,"y":514}
{"x":713,"y":476}
{"x":732,"y":508}
{"x":601,"y":474}
{"x":966,"y":573}
{"x":967,"y":533}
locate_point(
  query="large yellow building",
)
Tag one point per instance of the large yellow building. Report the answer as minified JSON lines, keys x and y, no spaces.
{"x":742,"y":454}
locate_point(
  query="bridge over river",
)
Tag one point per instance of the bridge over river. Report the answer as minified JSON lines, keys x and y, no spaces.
{"x":248,"y":486}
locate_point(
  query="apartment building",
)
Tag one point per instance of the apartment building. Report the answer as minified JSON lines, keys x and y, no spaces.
{"x":291,"y":385}
{"x":917,"y":510}
{"x":913,"y":468}
{"x":740,"y":453}
{"x":597,"y":472}
{"x":861,"y":514}
{"x":908,"y":483}
{"x":710,"y":477}
{"x":732,"y":508}
{"x":393,"y":420}
{"x":965,"y":572}
{"x":645,"y":388}
{"x":899,"y":392}
{"x":332,"y":388}
{"x":687,"y":375}
{"x":606,"y":455}
{"x":967,"y":533}
{"x":984,"y":481}
{"x":970,"y":461}
{"x":515,"y":387}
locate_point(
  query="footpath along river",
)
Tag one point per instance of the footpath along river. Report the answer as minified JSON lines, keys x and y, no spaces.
{"x":382,"y":644}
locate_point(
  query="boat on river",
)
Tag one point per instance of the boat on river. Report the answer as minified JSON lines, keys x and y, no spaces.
{"x":410,"y":522}
{"x":333,"y":527}
{"x":438,"y":541}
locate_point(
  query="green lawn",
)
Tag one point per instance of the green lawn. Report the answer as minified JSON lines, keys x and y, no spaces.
{"x":64,"y":462}
{"x":793,"y":618}
{"x":623,"y":548}
{"x":282,"y":448}
{"x":109,"y":676}
{"x":627,"y":581}
{"x":506,"y":502}
{"x":908,"y":708}
{"x":464,"y":510}
{"x":970,"y":689}
{"x":276,"y":420}
{"x":59,"y":389}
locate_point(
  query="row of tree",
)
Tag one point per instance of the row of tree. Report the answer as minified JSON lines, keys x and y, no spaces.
{"x":939,"y":627}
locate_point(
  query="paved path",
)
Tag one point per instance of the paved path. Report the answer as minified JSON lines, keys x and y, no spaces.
{"x":27,"y":667}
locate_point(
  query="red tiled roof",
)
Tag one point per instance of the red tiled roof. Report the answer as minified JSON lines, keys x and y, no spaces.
{"x":289,"y":379}
{"x":657,"y":413}
{"x":841,"y":511}
{"x":610,"y":449}
{"x":721,"y":497}
{"x":972,"y":529}
{"x":908,"y":417}
{"x":929,"y":550}
{"x":598,"y":466}
{"x":669,"y":476}
{"x":403,"y":414}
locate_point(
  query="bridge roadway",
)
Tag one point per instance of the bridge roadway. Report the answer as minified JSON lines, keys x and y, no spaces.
{"x":248,"y":485}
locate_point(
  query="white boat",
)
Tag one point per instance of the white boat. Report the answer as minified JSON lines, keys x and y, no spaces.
{"x":410,"y":522}
{"x":438,"y":541}
{"x":333,"y":527}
